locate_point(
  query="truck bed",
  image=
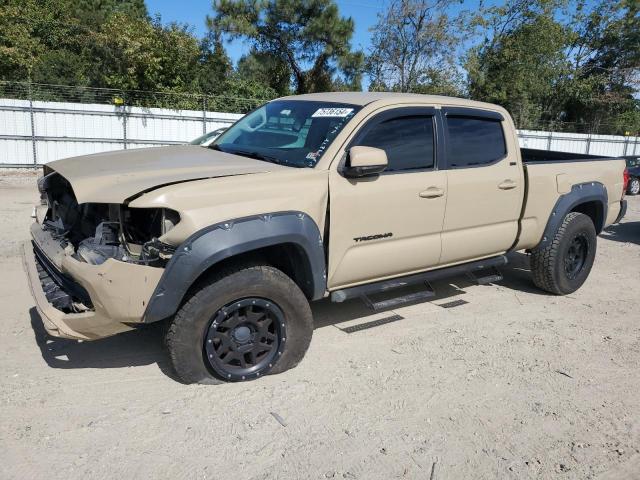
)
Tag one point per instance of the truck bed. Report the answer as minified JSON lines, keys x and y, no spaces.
{"x":532,"y":155}
{"x":549,"y":175}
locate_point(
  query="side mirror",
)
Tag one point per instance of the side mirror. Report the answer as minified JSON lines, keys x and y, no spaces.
{"x":365,"y":161}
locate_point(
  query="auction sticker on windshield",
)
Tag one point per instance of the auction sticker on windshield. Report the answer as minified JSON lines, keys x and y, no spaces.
{"x":332,"y":112}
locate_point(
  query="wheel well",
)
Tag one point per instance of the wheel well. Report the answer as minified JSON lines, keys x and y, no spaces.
{"x":594,"y":210}
{"x":289,"y":258}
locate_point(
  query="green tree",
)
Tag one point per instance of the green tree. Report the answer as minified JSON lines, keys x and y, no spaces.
{"x":413,"y":48}
{"x":522,"y":63}
{"x":267,"y":69}
{"x":136,"y":54}
{"x":215,"y":66}
{"x":606,"y":67}
{"x":33,"y":33}
{"x":557,"y":64}
{"x":93,"y":13}
{"x":309,"y":36}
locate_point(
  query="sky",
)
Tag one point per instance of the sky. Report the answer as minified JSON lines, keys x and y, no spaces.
{"x":194,"y":13}
{"x":363,"y":12}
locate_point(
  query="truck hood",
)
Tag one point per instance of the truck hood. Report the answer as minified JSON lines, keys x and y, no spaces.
{"x":113,"y":177}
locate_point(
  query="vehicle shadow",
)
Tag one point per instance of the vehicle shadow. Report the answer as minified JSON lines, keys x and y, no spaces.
{"x":327,"y":313}
{"x":627,"y":232}
{"x":144,"y":346}
{"x":130,"y":349}
{"x":517,"y":275}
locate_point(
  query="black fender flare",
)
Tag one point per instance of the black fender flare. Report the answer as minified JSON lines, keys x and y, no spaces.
{"x":580,"y":193}
{"x":213,"y":244}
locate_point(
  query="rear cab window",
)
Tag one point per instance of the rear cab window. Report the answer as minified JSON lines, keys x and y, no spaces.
{"x":474,"y":140}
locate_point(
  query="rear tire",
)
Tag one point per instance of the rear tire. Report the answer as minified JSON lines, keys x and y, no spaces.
{"x":564,"y":264}
{"x":634,"y":186}
{"x":240,"y":325}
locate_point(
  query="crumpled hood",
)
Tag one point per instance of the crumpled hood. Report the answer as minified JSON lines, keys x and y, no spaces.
{"x":113,"y":177}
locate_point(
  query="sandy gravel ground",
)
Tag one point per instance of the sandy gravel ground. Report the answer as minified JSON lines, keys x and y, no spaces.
{"x":513,"y":383}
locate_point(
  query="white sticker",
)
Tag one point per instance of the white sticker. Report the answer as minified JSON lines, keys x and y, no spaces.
{"x":285,"y":112}
{"x":332,"y":112}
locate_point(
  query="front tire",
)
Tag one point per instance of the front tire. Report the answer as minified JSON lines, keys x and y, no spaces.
{"x":241,"y":325}
{"x":634,"y":186}
{"x":564,"y":264}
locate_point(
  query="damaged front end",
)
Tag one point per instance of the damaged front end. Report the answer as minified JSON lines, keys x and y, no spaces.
{"x":99,"y":231}
{"x":96,"y":264}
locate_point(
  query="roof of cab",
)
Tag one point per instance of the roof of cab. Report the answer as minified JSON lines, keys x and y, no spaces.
{"x":365,"y":98}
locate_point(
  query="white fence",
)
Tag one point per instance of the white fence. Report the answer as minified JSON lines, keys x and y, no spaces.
{"x":34,"y":133}
{"x":604,"y":145}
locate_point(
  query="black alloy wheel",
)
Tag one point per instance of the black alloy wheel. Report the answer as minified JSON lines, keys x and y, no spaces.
{"x":576,"y":255}
{"x":242,"y":323}
{"x":245,"y":338}
{"x":563,"y":264}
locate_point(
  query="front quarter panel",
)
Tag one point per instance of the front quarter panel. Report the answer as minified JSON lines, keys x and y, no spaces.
{"x":224,"y":240}
{"x":204,"y":203}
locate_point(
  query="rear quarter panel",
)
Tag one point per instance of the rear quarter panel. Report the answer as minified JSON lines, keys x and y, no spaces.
{"x":547,"y":182}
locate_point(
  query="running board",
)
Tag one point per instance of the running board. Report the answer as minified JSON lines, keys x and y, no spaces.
{"x":397,"y":301}
{"x":485,"y":277}
{"x":363,"y":291}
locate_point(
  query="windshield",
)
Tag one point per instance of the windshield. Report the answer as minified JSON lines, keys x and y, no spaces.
{"x":288,"y":132}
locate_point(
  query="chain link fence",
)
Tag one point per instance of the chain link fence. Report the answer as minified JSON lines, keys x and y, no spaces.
{"x":599,"y":128}
{"x":40,"y":123}
{"x":128,"y":98}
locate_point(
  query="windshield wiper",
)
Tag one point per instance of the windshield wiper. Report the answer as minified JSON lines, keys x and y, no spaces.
{"x":257,"y":156}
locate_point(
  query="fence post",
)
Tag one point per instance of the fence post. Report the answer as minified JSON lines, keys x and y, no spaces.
{"x":124,"y":126}
{"x":549,"y":141}
{"x":626,"y":145}
{"x":204,"y":114}
{"x":33,"y":127}
{"x":588,"y":144}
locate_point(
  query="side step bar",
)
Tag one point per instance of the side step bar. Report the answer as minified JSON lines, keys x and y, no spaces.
{"x":490,"y":275}
{"x":397,"y":301}
{"x":482,"y":271}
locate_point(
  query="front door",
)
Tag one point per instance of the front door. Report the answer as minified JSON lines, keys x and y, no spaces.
{"x":390,"y":224}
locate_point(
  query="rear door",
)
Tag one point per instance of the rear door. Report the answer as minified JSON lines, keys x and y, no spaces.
{"x":485,"y":185}
{"x":390,"y":224}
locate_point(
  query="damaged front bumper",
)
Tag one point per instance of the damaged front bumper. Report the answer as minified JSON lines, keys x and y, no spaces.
{"x":118,"y":292}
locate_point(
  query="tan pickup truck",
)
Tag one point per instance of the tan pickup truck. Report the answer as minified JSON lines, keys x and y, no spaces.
{"x":338,"y":195}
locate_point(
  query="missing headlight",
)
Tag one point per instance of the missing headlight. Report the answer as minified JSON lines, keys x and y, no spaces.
{"x":140,"y":225}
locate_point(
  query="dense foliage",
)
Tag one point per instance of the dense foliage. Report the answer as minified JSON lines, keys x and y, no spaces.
{"x":572,"y":64}
{"x":115,"y":44}
{"x":308,"y":38}
{"x":553,"y":63}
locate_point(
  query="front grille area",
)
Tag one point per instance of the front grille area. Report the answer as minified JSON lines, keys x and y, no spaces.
{"x":61,"y":291}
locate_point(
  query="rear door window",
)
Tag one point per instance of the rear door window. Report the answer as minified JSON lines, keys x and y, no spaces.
{"x":408,"y":142}
{"x":473,"y":141}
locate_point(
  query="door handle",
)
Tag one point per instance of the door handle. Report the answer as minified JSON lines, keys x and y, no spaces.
{"x":432,"y":192}
{"x":507,"y":185}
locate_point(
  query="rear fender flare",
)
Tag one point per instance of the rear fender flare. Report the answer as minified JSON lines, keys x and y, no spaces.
{"x":579,"y":194}
{"x":213,"y":244}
